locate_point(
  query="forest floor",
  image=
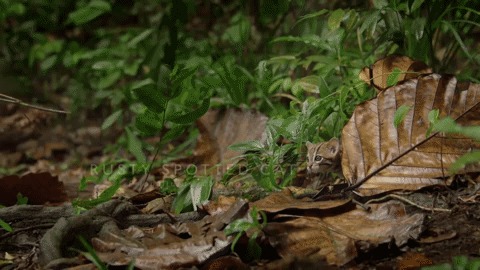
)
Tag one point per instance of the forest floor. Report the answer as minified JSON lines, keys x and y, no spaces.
{"x":52,"y":159}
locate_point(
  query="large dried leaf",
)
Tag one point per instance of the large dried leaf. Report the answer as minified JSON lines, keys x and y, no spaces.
{"x":335,"y":237}
{"x":384,"y":158}
{"x":283,"y":201}
{"x":168,"y":246}
{"x":377,"y":75}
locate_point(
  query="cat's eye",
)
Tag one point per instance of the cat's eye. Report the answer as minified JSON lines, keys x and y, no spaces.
{"x":318,"y":158}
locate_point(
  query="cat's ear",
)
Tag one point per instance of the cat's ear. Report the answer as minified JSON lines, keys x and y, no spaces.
{"x":309,"y":144}
{"x":334,"y":146}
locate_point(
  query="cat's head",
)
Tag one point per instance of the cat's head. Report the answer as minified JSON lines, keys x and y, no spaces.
{"x":323,"y":157}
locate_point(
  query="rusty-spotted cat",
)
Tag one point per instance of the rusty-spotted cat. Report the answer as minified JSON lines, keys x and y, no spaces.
{"x":323,"y":158}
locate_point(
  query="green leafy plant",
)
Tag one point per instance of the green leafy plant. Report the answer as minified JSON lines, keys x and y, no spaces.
{"x":250,"y":226}
{"x":400,"y":114}
{"x":4,"y":225}
{"x":21,"y":200}
{"x":192,"y":192}
{"x":90,"y":254}
{"x":168,"y":187}
{"x":458,"y":263}
{"x":115,"y":172}
{"x":449,"y":126}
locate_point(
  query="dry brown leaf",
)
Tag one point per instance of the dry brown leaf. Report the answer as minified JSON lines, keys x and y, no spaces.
{"x":150,"y":253}
{"x":377,"y":74}
{"x":381,"y":157}
{"x":434,"y":235}
{"x":158,"y":205}
{"x":169,"y":246}
{"x":306,"y":236}
{"x":335,"y":237}
{"x":280,"y":201}
{"x":221,"y":205}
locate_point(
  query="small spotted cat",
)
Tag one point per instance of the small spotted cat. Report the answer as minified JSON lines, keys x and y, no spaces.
{"x":323,"y":158}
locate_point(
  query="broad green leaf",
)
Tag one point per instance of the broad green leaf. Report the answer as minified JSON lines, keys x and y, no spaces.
{"x":352,"y":18}
{"x":400,"y":114}
{"x":309,"y":84}
{"x":103,"y":65}
{"x":286,"y":84}
{"x":132,"y":68}
{"x":152,"y":97}
{"x":135,"y":146}
{"x":191,"y":116}
{"x":5,"y":226}
{"x":105,"y":196}
{"x":416,"y":4}
{"x":448,"y":125}
{"x":200,"y":191}
{"x":48,"y":63}
{"x":139,"y":84}
{"x":370,"y":23}
{"x":149,"y":122}
{"x":461,"y":162}
{"x":239,"y":225}
{"x":111,"y":119}
{"x":392,"y":79}
{"x":15,"y":9}
{"x":311,"y":40}
{"x":173,"y":133}
{"x":275,"y":86}
{"x":380,"y":4}
{"x":433,"y":116}
{"x":139,"y":38}
{"x":178,"y":76}
{"x":335,"y":18}
{"x":246,"y":146}
{"x":109,"y":80}
{"x":418,"y":26}
{"x":183,"y":200}
{"x":238,"y":31}
{"x":283,"y":59}
{"x":312,"y":15}
{"x":88,"y":179}
{"x":89,"y":12}
{"x":432,"y":119}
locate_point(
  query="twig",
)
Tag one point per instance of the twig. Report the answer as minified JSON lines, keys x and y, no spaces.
{"x":13,"y":100}
{"x":400,"y":198}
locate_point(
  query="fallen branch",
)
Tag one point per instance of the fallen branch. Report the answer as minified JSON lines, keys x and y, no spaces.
{"x":13,"y":100}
